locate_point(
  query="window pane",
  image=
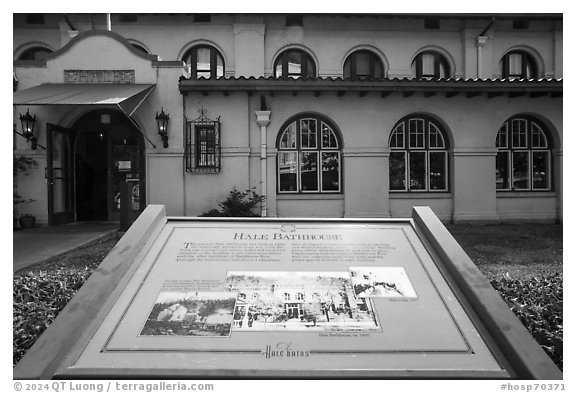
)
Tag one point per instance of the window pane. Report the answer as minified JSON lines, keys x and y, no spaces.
{"x":363,"y":64}
{"x":427,"y":64}
{"x":219,"y":66}
{"x":538,"y":137}
{"x":520,"y":170}
{"x":378,"y":71}
{"x":289,"y":137}
{"x":502,"y":137}
{"x":438,"y":170}
{"x":206,"y":138}
{"x":519,"y":132}
{"x":347,"y":68}
{"x":442,"y":69}
{"x":416,"y":127}
{"x":279,"y":69}
{"x":540,"y":170}
{"x":329,"y":140}
{"x":398,"y":171}
{"x":502,"y":170}
{"x":397,"y":139}
{"x":308,"y":133}
{"x":435,"y":138}
{"x":330,"y":171}
{"x":287,"y":167}
{"x":309,"y":171}
{"x":294,"y":60}
{"x":417,"y":170}
{"x":203,"y":59}
{"x":515,"y":64}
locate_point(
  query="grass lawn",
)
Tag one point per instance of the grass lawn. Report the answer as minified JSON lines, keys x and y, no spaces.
{"x":522,"y":250}
{"x":522,"y":261}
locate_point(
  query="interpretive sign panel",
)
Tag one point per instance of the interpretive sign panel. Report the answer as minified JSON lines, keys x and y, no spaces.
{"x":289,"y":297}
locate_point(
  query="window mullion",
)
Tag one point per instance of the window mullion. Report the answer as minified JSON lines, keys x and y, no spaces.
{"x":212,"y":62}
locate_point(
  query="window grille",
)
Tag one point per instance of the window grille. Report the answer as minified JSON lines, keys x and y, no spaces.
{"x":203,"y":150}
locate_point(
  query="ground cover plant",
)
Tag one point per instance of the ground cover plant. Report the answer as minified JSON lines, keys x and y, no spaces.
{"x":40,"y":292}
{"x":522,"y":261}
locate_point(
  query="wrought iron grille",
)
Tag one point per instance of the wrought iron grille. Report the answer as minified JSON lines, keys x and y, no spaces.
{"x":203,"y":150}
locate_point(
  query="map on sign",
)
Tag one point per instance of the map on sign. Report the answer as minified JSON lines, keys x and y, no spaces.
{"x":292,"y":296}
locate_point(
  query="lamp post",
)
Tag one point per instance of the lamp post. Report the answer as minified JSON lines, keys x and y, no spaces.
{"x":162,"y":120}
{"x":28,"y":123}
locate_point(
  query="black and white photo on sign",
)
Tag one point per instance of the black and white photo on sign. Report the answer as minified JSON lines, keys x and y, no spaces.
{"x":299,"y":301}
{"x":381,"y":282}
{"x":190,"y":314}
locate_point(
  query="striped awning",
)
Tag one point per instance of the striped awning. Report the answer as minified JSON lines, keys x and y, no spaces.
{"x":126,"y":96}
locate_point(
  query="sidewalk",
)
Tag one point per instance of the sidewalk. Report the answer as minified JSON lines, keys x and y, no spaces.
{"x":33,"y":246}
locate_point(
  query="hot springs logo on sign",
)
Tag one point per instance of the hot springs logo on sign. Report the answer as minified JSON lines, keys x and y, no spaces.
{"x":284,"y":350}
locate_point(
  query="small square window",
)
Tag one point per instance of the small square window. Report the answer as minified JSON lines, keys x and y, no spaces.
{"x":202,"y":18}
{"x":519,"y":23}
{"x":35,"y":19}
{"x":128,"y":18}
{"x":431,"y":23}
{"x":294,"y":20}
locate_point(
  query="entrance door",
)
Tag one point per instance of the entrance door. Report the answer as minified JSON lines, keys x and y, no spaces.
{"x":59,"y":175}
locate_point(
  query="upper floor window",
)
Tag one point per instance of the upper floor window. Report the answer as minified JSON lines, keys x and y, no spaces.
{"x":518,"y":64}
{"x":430,"y":64}
{"x":34,"y":53}
{"x":204,"y":61}
{"x":294,"y":63}
{"x":309,"y":157}
{"x":419,"y":156}
{"x":363,"y":64}
{"x":524,"y":159}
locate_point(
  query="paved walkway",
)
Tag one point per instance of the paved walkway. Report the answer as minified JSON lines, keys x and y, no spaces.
{"x":37,"y":245}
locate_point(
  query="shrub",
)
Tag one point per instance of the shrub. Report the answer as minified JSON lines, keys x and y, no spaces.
{"x":238,"y":204}
{"x":538,"y":303}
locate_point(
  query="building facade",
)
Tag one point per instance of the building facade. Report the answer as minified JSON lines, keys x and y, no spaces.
{"x":324,"y":115}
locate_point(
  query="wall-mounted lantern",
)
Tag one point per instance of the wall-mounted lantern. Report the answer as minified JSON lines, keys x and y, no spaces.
{"x":28,"y":123}
{"x":162,"y":119}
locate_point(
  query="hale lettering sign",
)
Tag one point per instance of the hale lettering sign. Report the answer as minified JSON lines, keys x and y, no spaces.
{"x":99,"y":76}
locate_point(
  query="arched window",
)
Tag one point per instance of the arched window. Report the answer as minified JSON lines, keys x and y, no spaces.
{"x":524,"y":159}
{"x":430,"y":64}
{"x":204,"y":61}
{"x":294,"y":63}
{"x":518,"y":64}
{"x":34,"y":53}
{"x":309,"y":156}
{"x":363,"y":64}
{"x":419,"y":155}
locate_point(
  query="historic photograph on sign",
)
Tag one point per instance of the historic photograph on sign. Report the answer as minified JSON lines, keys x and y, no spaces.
{"x":301,"y":301}
{"x":381,"y":282}
{"x":191,"y":314}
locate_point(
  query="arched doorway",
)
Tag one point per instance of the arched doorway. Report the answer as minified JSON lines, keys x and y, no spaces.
{"x":108,"y":150}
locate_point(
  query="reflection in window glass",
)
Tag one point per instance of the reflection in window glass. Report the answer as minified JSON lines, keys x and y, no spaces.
{"x":397,"y":170}
{"x":309,"y":157}
{"x":502,"y":169}
{"x":417,"y":170}
{"x":308,"y":133}
{"x":520,"y":170}
{"x":289,"y":137}
{"x":309,"y":171}
{"x":519,"y":131}
{"x":416,"y":129}
{"x":288,"y":171}
{"x":427,"y":64}
{"x":437,"y":170}
{"x":330,"y":171}
{"x":540,"y":170}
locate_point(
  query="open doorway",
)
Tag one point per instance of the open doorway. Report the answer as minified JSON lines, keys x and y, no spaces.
{"x":108,"y":150}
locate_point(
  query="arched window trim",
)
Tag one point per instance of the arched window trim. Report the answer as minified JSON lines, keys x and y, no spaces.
{"x":326,"y":145}
{"x":439,"y":61}
{"x":192,"y":55}
{"x":523,"y":141}
{"x":305,"y":71}
{"x":527,"y":61}
{"x":374,"y":61}
{"x":419,"y":136}
{"x":36,"y":48}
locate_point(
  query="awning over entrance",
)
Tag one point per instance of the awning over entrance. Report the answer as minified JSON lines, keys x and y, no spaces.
{"x":126,"y":96}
